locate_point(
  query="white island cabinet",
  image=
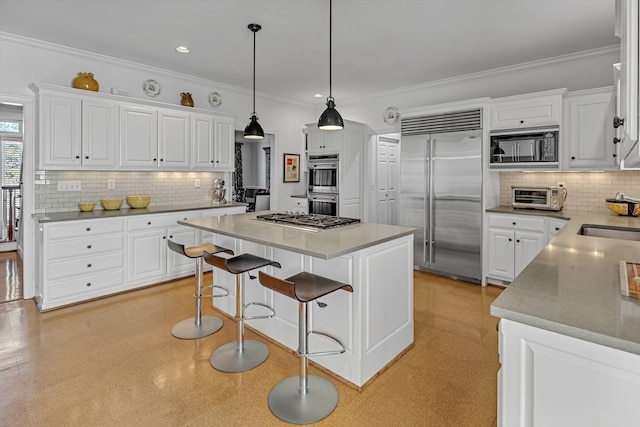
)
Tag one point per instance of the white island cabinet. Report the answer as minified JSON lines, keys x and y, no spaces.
{"x":375,"y":322}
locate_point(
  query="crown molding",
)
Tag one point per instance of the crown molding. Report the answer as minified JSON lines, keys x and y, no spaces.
{"x":525,"y":66}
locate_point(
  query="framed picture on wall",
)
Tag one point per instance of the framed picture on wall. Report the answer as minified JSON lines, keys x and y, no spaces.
{"x":291,"y":167}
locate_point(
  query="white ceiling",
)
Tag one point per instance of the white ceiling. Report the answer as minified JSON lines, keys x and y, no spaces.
{"x":378,"y":45}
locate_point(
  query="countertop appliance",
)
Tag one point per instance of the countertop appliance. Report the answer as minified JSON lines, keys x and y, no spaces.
{"x":542,"y":198}
{"x":533,"y":148}
{"x":441,"y":193}
{"x":217,"y":192}
{"x":317,"y":221}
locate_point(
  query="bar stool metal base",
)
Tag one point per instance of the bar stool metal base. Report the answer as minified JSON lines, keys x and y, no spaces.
{"x":227,"y":358}
{"x":189,"y":330}
{"x":286,"y":402}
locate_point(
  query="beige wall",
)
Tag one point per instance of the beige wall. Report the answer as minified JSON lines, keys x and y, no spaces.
{"x":587,"y":191}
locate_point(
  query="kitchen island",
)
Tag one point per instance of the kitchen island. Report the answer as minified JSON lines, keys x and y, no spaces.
{"x":375,"y":322}
{"x":569,"y":341}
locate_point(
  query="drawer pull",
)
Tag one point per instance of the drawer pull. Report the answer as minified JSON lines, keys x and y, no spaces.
{"x":89,"y":284}
{"x":88,"y":229}
{"x":149,"y":223}
{"x":514,"y":223}
{"x":557,"y":228}
{"x":88,"y":265}
{"x":88,"y":246}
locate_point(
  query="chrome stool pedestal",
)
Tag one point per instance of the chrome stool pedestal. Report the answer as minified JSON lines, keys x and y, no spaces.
{"x":198,"y":326}
{"x":241,"y":355}
{"x":304,"y":398}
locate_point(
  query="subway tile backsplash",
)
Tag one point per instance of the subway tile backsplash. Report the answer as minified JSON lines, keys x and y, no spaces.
{"x":165,"y":188}
{"x":587,"y":191}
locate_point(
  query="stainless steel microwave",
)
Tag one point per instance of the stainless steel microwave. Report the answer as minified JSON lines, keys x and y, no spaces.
{"x":532,"y":148}
{"x":543,"y":198}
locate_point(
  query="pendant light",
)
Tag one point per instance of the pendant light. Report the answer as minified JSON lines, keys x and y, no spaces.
{"x":253,"y":129}
{"x":330,"y":118}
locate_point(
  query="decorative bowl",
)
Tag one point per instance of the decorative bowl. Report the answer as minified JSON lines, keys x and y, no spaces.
{"x":138,"y":201}
{"x":623,"y":207}
{"x":86,"y":206}
{"x":111,"y":204}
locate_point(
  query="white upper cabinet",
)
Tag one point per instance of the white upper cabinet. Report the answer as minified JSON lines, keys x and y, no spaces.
{"x":627,"y":30}
{"x":587,"y":132}
{"x":533,"y":110}
{"x":138,"y":137}
{"x":322,"y":141}
{"x":173,"y":139}
{"x":86,"y":130}
{"x":76,"y":132}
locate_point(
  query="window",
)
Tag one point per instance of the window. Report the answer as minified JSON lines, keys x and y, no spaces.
{"x":12,"y":127}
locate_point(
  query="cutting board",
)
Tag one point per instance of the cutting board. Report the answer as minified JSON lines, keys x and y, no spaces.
{"x":630,"y":279}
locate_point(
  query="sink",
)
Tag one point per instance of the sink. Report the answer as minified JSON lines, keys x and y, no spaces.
{"x":622,"y":233}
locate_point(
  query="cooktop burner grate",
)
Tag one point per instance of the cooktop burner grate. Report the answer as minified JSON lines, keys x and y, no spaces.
{"x":307,"y":220}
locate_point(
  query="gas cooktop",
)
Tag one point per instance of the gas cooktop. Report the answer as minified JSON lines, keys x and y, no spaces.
{"x":307,"y":220}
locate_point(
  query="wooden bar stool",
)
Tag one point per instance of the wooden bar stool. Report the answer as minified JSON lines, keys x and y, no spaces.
{"x":199,"y":326}
{"x":304,"y":398}
{"x":241,"y":355}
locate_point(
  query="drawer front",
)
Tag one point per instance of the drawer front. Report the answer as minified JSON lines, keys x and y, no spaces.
{"x":77,"y":289}
{"x":85,"y":247}
{"x":83,"y":266}
{"x":517,"y":222}
{"x":73,"y":229}
{"x":147,"y":222}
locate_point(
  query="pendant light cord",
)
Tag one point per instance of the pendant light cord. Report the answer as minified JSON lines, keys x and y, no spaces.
{"x":254,"y":73}
{"x":330,"y":44}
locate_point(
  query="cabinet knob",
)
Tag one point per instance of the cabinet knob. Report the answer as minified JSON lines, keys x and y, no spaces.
{"x":155,"y":160}
{"x":557,"y":228}
{"x":162,"y":160}
{"x":514,"y":223}
{"x":89,"y":284}
{"x":521,"y":121}
{"x":171,"y":237}
{"x":217,"y":161}
{"x":615,"y":155}
{"x":77,"y":157}
{"x":617,"y":122}
{"x":510,"y":239}
{"x":212,"y":161}
{"x":88,"y":229}
{"x":164,"y":237}
{"x":88,"y":246}
{"x":149,"y":223}
{"x":517,"y":240}
{"x":616,"y":140}
{"x":573,"y":157}
{"x":88,"y":265}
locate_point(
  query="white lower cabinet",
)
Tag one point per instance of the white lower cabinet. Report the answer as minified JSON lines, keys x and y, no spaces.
{"x":514,"y":240}
{"x":549,"y":379}
{"x":85,"y":259}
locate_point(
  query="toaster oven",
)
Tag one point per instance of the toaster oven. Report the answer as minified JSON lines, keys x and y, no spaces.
{"x":543,"y":198}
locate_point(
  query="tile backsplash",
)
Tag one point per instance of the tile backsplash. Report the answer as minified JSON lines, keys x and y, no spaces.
{"x":587,"y":191}
{"x":165,"y":188}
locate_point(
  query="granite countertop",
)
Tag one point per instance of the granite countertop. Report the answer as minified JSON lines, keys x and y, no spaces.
{"x":563,"y":214}
{"x":101,"y":213}
{"x":573,"y":286}
{"x":325,"y":244}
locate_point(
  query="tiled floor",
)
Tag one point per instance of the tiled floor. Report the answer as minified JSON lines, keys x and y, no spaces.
{"x":113,"y":362}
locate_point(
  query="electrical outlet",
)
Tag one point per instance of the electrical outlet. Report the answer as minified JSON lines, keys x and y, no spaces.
{"x":561,"y":184}
{"x":111,"y":184}
{"x":197,"y":183}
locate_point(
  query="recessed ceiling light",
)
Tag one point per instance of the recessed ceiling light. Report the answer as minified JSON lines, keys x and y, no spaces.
{"x":317,"y":95}
{"x":183,"y":49}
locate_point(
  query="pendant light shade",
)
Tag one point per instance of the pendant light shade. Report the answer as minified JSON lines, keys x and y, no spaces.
{"x":330,"y":119}
{"x":253,"y":129}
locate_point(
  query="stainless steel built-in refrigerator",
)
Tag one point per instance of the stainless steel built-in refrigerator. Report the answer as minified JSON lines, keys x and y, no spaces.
{"x":441,"y":195}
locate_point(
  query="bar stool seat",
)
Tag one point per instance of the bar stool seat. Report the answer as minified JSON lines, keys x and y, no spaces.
{"x":199,"y":326}
{"x":241,"y":355}
{"x":304,"y":398}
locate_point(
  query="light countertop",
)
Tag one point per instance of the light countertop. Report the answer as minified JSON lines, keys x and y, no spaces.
{"x":573,"y":287}
{"x":101,"y":213}
{"x":325,"y":244}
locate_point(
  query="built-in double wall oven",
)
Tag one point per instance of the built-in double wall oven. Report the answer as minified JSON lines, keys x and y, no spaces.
{"x":322,"y":185}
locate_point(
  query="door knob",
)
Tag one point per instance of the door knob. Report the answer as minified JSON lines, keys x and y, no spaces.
{"x":617,"y":122}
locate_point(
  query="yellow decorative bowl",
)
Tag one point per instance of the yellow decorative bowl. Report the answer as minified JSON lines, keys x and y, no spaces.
{"x":86,"y":206}
{"x":138,"y":202}
{"x":111,"y":204}
{"x":623,"y":207}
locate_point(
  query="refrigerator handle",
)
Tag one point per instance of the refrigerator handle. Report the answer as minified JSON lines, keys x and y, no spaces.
{"x":430,"y":187}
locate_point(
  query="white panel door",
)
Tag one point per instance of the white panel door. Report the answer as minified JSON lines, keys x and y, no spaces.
{"x":387,"y":181}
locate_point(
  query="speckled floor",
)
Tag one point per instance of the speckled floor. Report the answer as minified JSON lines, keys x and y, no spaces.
{"x":114,"y":362}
